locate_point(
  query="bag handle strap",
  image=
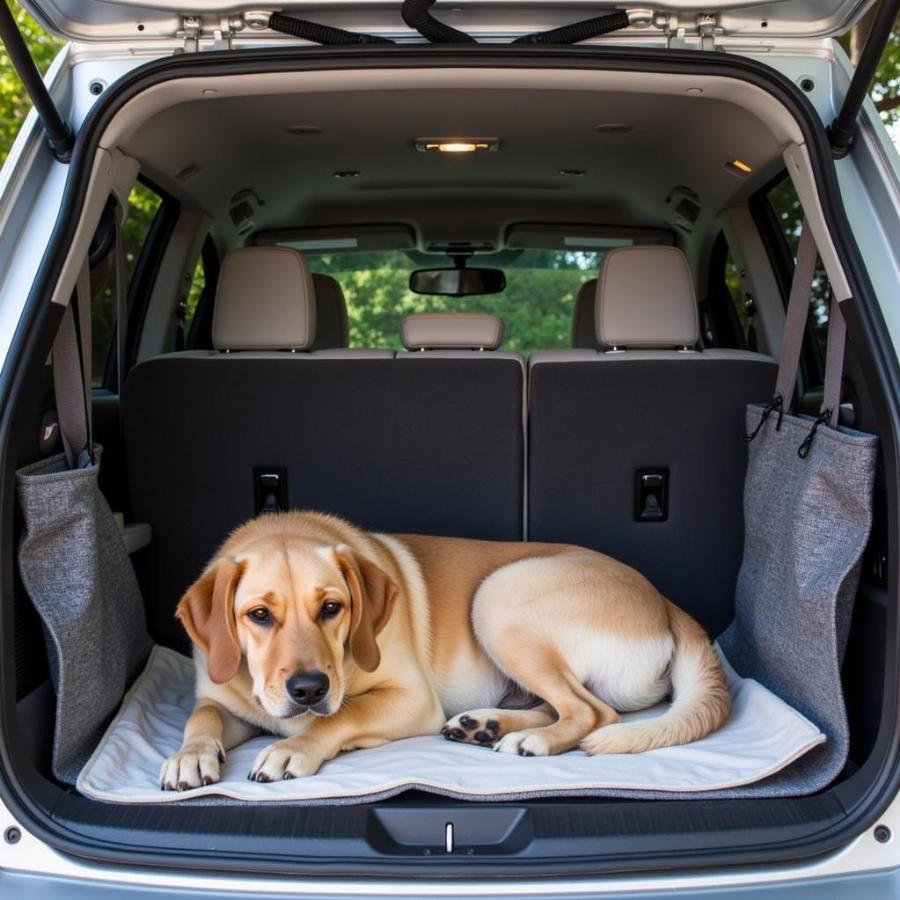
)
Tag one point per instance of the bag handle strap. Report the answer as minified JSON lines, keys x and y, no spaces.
{"x":792,"y":344}
{"x":834,"y":362}
{"x":72,"y":374}
{"x":795,"y":318}
{"x":121,"y":301}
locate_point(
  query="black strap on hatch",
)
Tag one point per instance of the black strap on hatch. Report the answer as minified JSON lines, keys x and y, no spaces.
{"x":416,"y":14}
{"x":578,"y":31}
{"x":60,"y":136}
{"x":321,"y":34}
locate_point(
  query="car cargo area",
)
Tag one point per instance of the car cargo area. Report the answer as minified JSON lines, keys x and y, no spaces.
{"x":625,"y":432}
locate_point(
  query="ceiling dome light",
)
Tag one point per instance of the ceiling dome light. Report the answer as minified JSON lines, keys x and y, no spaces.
{"x":457,"y":145}
{"x":614,"y":128}
{"x":739,"y":167}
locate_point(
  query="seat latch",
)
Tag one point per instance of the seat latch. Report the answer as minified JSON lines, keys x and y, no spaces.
{"x":270,"y":489}
{"x":651,"y":495}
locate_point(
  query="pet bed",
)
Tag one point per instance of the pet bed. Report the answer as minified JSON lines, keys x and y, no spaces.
{"x":762,"y":736}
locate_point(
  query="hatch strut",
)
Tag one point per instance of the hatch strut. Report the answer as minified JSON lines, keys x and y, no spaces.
{"x":60,"y":136}
{"x":843,"y":128}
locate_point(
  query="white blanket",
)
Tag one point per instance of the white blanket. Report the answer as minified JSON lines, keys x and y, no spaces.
{"x":762,"y":736}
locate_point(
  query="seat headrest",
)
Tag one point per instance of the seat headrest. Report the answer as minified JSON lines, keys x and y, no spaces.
{"x":451,"y":331}
{"x":264,"y":301}
{"x":645,"y":299}
{"x":332,"y":331}
{"x":584,"y":333}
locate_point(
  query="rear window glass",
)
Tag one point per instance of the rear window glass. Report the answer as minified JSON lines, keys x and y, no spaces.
{"x":536,"y":307}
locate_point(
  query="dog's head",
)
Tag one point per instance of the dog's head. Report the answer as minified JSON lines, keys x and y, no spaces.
{"x":301,"y":614}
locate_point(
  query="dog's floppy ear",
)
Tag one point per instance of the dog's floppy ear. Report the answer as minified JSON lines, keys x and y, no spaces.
{"x":207,"y":613}
{"x":372,"y":596}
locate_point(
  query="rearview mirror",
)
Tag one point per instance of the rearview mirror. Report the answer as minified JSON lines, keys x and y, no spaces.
{"x":457,"y":282}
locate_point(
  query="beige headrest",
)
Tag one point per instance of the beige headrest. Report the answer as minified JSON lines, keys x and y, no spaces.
{"x":645,"y":299}
{"x":451,"y":331}
{"x":264,"y":301}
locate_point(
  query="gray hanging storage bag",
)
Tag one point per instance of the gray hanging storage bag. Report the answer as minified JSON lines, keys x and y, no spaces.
{"x":73,"y":561}
{"x":807,"y":517}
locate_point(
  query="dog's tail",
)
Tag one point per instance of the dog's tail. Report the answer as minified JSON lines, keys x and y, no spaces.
{"x":700,"y":699}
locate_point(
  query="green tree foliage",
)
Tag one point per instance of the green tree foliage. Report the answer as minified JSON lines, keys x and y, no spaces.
{"x":14,"y":102}
{"x":886,"y":89}
{"x":886,"y":84}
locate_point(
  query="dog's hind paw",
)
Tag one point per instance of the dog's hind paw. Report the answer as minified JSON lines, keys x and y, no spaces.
{"x":478,"y":726}
{"x":194,"y":765}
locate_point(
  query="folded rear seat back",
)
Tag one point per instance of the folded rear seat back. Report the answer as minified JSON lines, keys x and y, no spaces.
{"x":650,"y":404}
{"x":435,"y":448}
{"x":452,"y":358}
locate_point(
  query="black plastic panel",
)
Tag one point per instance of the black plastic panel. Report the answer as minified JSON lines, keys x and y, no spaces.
{"x":425,"y":446}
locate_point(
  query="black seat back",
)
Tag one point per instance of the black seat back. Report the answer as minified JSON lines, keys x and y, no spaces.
{"x":601,"y":420}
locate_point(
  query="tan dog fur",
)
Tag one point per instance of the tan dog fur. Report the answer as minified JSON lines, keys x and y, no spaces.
{"x":417,"y":632}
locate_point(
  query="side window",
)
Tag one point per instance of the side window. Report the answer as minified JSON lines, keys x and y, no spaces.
{"x":735,"y":287}
{"x":195,"y":292}
{"x":727,"y":312}
{"x":143,"y":206}
{"x":195,"y":311}
{"x":784,"y":213}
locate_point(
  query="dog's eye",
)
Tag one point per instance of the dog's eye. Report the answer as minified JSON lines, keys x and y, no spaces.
{"x":260,"y":615}
{"x":330,"y":609}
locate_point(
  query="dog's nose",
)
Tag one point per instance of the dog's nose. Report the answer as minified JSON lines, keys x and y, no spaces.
{"x":307,"y":688}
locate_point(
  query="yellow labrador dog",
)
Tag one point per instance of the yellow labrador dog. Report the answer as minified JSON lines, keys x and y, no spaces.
{"x":334,"y":639}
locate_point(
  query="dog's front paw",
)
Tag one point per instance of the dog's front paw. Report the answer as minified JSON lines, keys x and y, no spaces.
{"x":524,"y":743}
{"x":195,"y":764}
{"x":284,"y":760}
